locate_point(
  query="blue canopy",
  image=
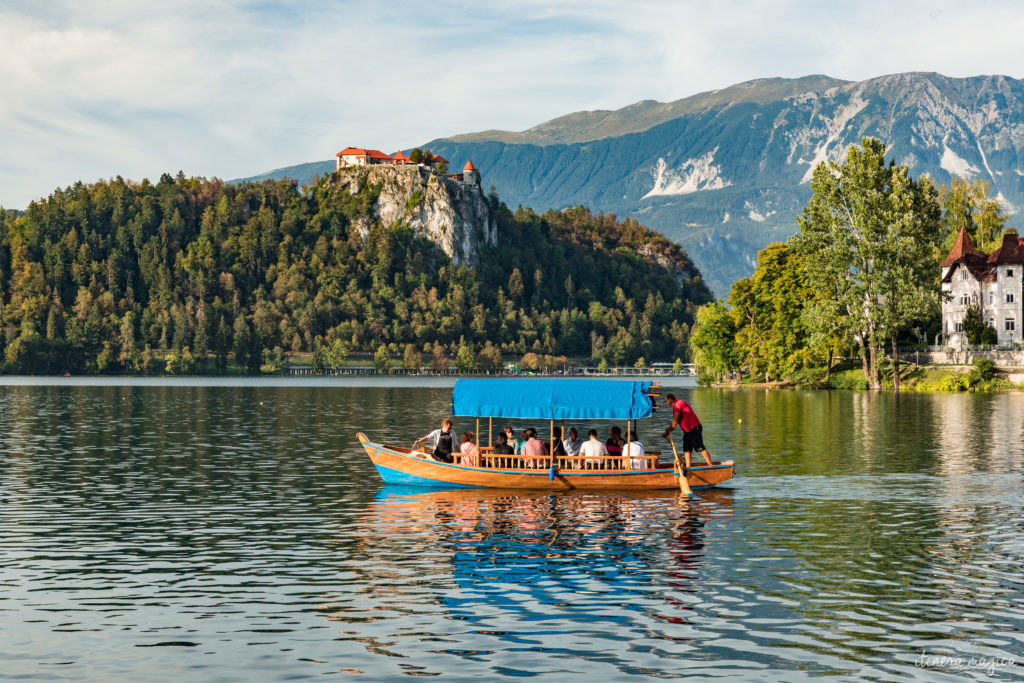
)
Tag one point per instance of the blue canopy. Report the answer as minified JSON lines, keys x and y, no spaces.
{"x":552,"y":399}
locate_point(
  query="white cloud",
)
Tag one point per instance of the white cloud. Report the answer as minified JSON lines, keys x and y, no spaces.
{"x":215,"y":87}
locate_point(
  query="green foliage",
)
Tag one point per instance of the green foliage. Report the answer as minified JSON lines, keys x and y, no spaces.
{"x":849,"y":379}
{"x":976,"y":329}
{"x":772,"y":335}
{"x":113,"y":276}
{"x":602,"y":366}
{"x":714,"y":341}
{"x":319,"y":361}
{"x":336,"y":354}
{"x":382,"y":360}
{"x":489,"y":358}
{"x":412,"y":360}
{"x":465,"y":359}
{"x":968,"y":205}
{"x":984,"y":370}
{"x":867,"y":241}
{"x":413,"y":201}
{"x":416,"y":155}
{"x":678,"y":365}
{"x":640,"y":363}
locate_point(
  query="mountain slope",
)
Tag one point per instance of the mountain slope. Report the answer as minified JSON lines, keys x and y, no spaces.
{"x":725,"y":172}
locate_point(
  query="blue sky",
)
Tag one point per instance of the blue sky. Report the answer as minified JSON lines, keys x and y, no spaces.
{"x":225,"y":88}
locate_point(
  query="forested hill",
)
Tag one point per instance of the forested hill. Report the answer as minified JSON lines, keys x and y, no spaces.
{"x":196,"y":274}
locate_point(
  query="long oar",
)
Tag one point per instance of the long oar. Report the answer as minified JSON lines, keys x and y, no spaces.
{"x":684,"y":486}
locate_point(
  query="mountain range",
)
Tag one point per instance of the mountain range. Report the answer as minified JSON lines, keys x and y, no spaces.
{"x":726,"y":172}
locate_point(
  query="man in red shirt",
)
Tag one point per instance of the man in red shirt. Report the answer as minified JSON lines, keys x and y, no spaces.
{"x":693,"y":433}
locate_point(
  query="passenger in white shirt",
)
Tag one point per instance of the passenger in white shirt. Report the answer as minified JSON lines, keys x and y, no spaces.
{"x":594,"y":450}
{"x":634,"y":451}
{"x":573,"y":443}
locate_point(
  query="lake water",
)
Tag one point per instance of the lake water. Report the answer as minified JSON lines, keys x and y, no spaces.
{"x":155,"y":530}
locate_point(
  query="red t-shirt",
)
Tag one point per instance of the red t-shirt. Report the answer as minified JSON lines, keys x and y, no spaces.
{"x":687,"y":418}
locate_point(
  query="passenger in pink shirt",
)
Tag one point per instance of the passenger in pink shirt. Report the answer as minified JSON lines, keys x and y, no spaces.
{"x":533,"y":446}
{"x":469,"y":449}
{"x":693,"y":432}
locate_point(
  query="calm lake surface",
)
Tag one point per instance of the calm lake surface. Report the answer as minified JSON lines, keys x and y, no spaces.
{"x":157,"y":530}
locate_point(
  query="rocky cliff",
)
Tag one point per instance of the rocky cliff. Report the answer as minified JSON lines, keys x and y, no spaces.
{"x":453,"y":215}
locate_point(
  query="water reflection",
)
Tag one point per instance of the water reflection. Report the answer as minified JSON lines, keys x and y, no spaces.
{"x":236,"y":532}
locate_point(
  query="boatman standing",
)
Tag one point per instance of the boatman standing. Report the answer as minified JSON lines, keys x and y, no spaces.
{"x":443,"y":441}
{"x":693,"y":433}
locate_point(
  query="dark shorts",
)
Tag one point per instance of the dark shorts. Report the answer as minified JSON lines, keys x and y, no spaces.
{"x":693,"y":440}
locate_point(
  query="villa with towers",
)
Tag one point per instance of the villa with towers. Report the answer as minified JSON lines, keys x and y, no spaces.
{"x":993,"y":282}
{"x":358,"y":156}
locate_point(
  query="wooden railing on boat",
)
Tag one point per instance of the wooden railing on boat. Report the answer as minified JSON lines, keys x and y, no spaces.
{"x":609,"y":463}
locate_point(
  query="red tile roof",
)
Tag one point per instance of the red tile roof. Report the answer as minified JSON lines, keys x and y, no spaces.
{"x":398,"y":156}
{"x":469,"y":166}
{"x":360,"y":152}
{"x":962,"y":248}
{"x":437,"y":159}
{"x":1009,"y":252}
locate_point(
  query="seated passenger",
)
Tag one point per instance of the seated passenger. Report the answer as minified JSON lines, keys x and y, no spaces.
{"x":532,"y":446}
{"x":556,"y":438}
{"x":469,"y":449}
{"x":510,"y":439}
{"x":519,"y":445}
{"x":594,"y":451}
{"x":634,"y":451}
{"x":574,"y":443}
{"x":444,"y":442}
{"x":615,"y":441}
{"x":501,"y":446}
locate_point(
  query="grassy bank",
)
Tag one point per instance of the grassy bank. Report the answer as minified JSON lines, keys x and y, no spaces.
{"x":918,"y":378}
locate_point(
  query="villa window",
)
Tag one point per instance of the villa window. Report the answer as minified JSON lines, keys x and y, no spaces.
{"x":1009,"y":272}
{"x":959,"y":327}
{"x":964,"y":299}
{"x":1009,"y":297}
{"x":1010,"y":325}
{"x":991,"y":297}
{"x":963,"y":273}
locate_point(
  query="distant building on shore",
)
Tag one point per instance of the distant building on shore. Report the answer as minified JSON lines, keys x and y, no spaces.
{"x":993,"y":282}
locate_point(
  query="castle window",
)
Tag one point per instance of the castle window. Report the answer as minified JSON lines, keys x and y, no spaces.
{"x":1010,"y":325}
{"x":1009,"y":297}
{"x":991,"y":297}
{"x":963,"y":273}
{"x":964,"y":299}
{"x":1009,"y":272}
{"x":959,"y":327}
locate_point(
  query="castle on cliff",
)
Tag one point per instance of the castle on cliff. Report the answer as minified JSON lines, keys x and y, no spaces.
{"x":358,"y":156}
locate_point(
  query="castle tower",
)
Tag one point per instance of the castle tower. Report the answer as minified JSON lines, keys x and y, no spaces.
{"x":469,"y":174}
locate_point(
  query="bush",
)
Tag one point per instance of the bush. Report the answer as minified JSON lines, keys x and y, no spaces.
{"x":848,"y":379}
{"x":984,"y":370}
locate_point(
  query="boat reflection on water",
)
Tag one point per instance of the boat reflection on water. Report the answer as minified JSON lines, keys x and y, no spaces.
{"x":513,"y":565}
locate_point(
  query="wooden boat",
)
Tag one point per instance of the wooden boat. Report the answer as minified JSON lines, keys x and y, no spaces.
{"x":544,"y":399}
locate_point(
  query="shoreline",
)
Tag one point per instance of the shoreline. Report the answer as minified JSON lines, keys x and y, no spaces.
{"x":266,"y":381}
